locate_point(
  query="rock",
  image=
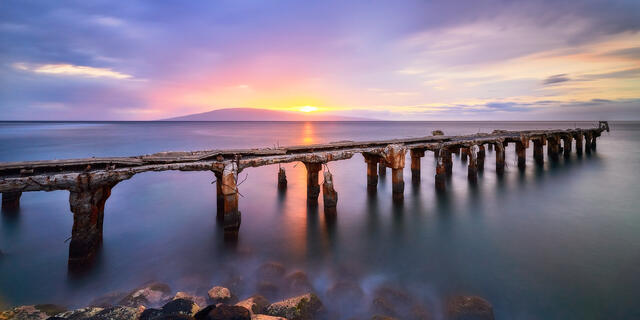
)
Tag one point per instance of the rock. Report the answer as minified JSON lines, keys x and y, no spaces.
{"x":200,"y":301}
{"x":395,"y":302}
{"x":220,"y":295}
{"x":270,"y":272}
{"x":151,"y":295}
{"x":108,"y":300}
{"x":204,"y":312}
{"x":437,"y":133}
{"x":224,"y":312}
{"x":379,"y":317}
{"x":266,"y":317}
{"x":268,"y":289}
{"x":302,"y":307}
{"x":181,"y":306}
{"x":469,"y":308}
{"x":298,"y":283}
{"x":77,"y":314}
{"x":116,"y":313}
{"x":33,"y":312}
{"x":255,"y":304}
{"x":151,"y":314}
{"x":23,"y":313}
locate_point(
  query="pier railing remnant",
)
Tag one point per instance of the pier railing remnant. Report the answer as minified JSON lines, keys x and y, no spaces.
{"x":89,"y":181}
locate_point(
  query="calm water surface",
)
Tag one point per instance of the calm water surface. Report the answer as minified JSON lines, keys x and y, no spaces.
{"x":559,"y":242}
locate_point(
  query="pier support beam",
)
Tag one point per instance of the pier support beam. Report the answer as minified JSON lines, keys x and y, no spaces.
{"x":464,"y":153}
{"x":372,"y":171}
{"x":313,"y":188}
{"x":231,"y":215}
{"x":553,"y":147}
{"x":579,"y":139}
{"x":447,"y":160}
{"x":394,"y":155}
{"x":11,"y":201}
{"x":538,"y":153}
{"x":587,"y":141}
{"x":499,"y":158}
{"x":441,"y":170}
{"x":521,"y":153}
{"x":329,"y":195}
{"x":481,"y":156}
{"x":382,"y":168}
{"x":219,"y":196}
{"x":416,"y":155}
{"x":490,"y":147}
{"x":472,"y":171}
{"x":87,"y":205}
{"x":282,"y":179}
{"x":567,"y":145}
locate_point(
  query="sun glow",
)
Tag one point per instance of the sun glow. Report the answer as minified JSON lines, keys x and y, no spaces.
{"x":308,"y":109}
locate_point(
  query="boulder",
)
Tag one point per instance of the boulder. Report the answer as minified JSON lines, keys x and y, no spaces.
{"x":24,"y":313}
{"x":219,"y":294}
{"x":437,"y":133}
{"x":268,"y":289}
{"x":224,"y":312}
{"x":116,"y":313}
{"x":181,"y":306}
{"x":297,"y":283}
{"x":266,"y":317}
{"x":270,"y":272}
{"x":204,"y":312}
{"x":379,"y":317}
{"x":200,"y":301}
{"x":469,"y":308}
{"x":395,"y":302}
{"x":344,"y":293}
{"x":151,"y":295}
{"x":255,"y":304}
{"x":151,"y":314}
{"x":108,"y":300}
{"x":78,"y":314}
{"x":302,"y":307}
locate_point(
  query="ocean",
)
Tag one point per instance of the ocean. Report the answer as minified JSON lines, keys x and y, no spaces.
{"x":560,"y":241}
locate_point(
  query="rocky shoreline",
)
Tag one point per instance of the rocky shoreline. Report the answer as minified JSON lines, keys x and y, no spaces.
{"x":156,"y":301}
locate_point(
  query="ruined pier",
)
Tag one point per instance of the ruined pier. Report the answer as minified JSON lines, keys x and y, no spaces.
{"x":89,"y":181}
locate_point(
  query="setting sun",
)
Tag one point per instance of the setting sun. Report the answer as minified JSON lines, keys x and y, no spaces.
{"x":308,"y":109}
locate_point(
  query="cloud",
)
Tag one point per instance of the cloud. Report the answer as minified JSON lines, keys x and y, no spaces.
{"x":557,"y":78}
{"x":71,"y":70}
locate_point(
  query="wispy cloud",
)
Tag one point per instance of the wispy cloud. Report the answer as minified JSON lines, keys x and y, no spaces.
{"x":557,"y":78}
{"x":71,"y":70}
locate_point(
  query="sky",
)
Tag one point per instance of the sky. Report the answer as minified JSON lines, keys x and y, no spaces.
{"x":391,"y":60}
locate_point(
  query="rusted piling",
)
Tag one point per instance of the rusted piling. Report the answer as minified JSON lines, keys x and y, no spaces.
{"x":282,"y":179}
{"x":588,"y":137}
{"x":329,"y":195}
{"x":394,"y":155}
{"x":567,"y":145}
{"x":441,"y":170}
{"x":313,"y":188}
{"x":382,"y":168}
{"x":481,"y":156}
{"x":372,"y":171}
{"x":472,"y":171}
{"x":219,"y":196}
{"x":232,"y":216}
{"x":579,"y":139}
{"x":521,"y":153}
{"x":553,"y":147}
{"x":499,"y":157}
{"x":416,"y":156}
{"x":538,"y":152}
{"x":87,"y":201}
{"x":447,"y":160}
{"x":490,"y":147}
{"x":11,"y":201}
{"x":464,"y":153}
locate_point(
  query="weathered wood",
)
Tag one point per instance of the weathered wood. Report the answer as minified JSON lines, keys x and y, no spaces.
{"x":472,"y":168}
{"x":567,"y":145}
{"x":499,"y":157}
{"x":313,"y":188}
{"x":553,"y":147}
{"x":416,"y":156}
{"x":329,"y":195}
{"x":579,"y":136}
{"x":481,"y":156}
{"x":11,"y":201}
{"x":372,"y":171}
{"x":282,"y":179}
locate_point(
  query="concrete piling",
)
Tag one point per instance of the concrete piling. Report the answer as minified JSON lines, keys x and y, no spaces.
{"x":416,"y":155}
{"x":11,"y":201}
{"x":329,"y":195}
{"x":499,"y":158}
{"x":282,"y":179}
{"x":480,"y":159}
{"x":372,"y":172}
{"x":538,"y":153}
